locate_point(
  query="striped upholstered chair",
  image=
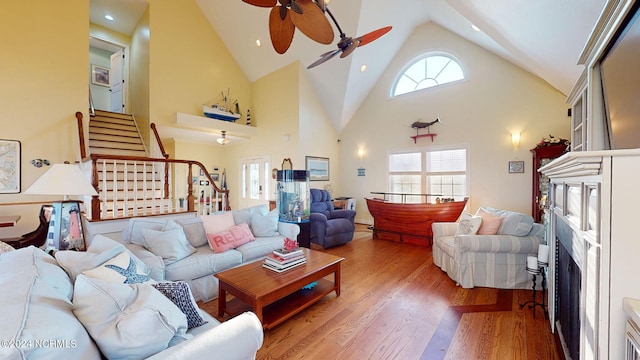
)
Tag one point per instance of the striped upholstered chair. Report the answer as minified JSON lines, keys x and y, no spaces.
{"x":496,"y":261}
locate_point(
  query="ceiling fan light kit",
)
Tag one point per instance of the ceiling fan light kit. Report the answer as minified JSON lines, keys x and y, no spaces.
{"x":223,"y":140}
{"x":309,"y":17}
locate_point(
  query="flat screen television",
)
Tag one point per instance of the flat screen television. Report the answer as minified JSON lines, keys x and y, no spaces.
{"x":620,"y":73}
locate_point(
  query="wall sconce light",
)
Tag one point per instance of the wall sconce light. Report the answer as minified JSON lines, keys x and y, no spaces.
{"x":515,"y":140}
{"x":361,"y":153}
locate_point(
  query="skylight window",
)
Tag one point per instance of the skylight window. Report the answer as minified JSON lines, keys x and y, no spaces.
{"x":428,"y":71}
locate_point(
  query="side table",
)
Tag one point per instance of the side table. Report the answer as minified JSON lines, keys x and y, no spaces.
{"x":304,"y":238}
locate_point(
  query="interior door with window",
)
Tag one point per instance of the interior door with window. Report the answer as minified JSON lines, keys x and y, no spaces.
{"x":257,"y":185}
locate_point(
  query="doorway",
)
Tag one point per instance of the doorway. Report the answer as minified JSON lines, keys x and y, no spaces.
{"x":256,"y":183}
{"x":112,"y":61}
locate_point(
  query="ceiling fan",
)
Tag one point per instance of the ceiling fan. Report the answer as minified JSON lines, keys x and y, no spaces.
{"x":308,"y":16}
{"x":304,"y":15}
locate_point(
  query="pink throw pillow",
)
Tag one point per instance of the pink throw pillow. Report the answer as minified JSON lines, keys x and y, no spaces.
{"x":231,"y":238}
{"x":218,"y":222}
{"x":490,"y":223}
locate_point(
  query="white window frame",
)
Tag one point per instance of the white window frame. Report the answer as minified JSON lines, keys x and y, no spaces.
{"x":423,"y":171}
{"x":410,"y":63}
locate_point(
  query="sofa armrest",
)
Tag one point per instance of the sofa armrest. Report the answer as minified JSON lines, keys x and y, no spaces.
{"x":497,"y":244}
{"x":343,"y":214}
{"x":236,"y":339}
{"x":443,"y":229}
{"x":289,"y":230}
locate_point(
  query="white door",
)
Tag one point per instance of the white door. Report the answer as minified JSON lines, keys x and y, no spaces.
{"x":256,"y":183}
{"x":116,"y":82}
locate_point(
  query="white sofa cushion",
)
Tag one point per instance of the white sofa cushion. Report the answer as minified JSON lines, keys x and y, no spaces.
{"x":513,"y":223}
{"x":35,"y":309}
{"x":264,"y":224}
{"x":171,"y":245}
{"x":202,"y":263}
{"x":101,"y":250}
{"x":127,"y":320}
{"x":194,"y":231}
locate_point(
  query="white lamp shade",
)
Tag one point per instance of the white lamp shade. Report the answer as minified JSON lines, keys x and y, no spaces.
{"x":62,"y":179}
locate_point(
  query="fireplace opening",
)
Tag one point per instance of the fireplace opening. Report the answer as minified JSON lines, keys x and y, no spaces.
{"x":567,"y":288}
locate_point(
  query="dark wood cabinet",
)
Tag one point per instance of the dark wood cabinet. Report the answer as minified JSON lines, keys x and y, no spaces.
{"x":542,"y":155}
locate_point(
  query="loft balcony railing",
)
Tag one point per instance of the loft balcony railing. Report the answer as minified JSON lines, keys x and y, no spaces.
{"x":131,"y":186}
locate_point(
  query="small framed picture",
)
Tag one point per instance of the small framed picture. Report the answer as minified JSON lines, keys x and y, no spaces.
{"x":318,"y":168}
{"x":99,"y":75}
{"x":516,"y":167}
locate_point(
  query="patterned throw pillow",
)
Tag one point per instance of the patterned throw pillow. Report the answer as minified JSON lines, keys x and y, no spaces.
{"x":180,"y":294}
{"x":468,"y":224}
{"x":4,"y":247}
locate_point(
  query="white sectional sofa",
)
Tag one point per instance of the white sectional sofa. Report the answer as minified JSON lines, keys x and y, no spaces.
{"x":198,"y":268}
{"x":42,"y":318}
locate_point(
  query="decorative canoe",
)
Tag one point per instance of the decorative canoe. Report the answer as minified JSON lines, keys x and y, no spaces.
{"x":411,"y":222}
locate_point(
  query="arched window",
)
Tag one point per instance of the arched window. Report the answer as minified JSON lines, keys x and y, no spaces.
{"x":428,"y":71}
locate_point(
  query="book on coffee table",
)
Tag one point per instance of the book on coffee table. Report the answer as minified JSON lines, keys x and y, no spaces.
{"x":281,"y":268}
{"x":282,"y":252}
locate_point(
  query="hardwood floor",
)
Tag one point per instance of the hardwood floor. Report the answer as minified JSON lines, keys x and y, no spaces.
{"x":395,"y":304}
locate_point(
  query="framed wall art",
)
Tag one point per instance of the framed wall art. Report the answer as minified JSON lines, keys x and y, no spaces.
{"x":516,"y":167}
{"x":99,"y":75}
{"x":318,"y":168}
{"x":10,"y":170}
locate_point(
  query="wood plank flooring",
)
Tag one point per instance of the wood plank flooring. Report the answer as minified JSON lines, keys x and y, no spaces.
{"x":395,"y":304}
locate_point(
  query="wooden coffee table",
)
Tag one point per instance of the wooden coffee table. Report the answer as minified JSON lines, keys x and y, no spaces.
{"x":275,"y":297}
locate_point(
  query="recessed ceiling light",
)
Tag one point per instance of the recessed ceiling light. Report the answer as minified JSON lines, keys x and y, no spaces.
{"x":363,"y":68}
{"x":475,"y":28}
{"x":258,"y":43}
{"x":108,"y":17}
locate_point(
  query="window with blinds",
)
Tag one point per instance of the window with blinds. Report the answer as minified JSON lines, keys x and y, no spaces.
{"x":440,"y":173}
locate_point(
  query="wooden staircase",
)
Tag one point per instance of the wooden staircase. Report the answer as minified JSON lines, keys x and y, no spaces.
{"x":115,"y":134}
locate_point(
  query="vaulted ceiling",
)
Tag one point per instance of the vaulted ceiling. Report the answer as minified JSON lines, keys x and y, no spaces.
{"x":544,"y":37}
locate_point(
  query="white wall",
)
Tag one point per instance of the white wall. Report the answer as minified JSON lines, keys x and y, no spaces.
{"x":496,"y":99}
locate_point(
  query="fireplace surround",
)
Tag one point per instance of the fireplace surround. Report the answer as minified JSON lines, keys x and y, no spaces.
{"x":592,"y":234}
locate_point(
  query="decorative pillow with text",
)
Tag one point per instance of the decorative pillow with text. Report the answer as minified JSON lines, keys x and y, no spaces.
{"x":230,"y":238}
{"x":468,"y":224}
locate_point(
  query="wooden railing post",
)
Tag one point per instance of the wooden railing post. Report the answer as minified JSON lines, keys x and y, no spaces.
{"x":190,"y":198}
{"x":83,"y":151}
{"x":95,"y":200}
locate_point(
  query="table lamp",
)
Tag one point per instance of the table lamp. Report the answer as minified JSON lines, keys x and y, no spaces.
{"x":65,"y":225}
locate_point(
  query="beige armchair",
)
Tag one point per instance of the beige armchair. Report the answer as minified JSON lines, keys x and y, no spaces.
{"x":496,"y":261}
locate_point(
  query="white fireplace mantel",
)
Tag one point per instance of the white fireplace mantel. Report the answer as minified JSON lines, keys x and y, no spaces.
{"x":596,"y":194}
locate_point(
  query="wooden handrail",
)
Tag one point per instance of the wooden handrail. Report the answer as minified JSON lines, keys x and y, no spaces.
{"x":83,"y":151}
{"x":157,"y":136}
{"x":95,"y":202}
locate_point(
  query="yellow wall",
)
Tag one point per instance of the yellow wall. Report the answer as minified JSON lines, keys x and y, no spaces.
{"x":190,"y":65}
{"x":480,"y":113}
{"x":44,"y":82}
{"x":139,"y":78}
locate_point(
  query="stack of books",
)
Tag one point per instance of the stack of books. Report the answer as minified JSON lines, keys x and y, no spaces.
{"x":282,"y":260}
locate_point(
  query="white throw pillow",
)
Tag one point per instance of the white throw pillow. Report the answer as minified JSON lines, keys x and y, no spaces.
{"x":468,"y":224}
{"x":171,"y":245}
{"x":101,"y":250}
{"x":133,"y":234}
{"x":127,"y":321}
{"x":265,"y":225}
{"x":123,"y":268}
